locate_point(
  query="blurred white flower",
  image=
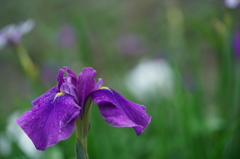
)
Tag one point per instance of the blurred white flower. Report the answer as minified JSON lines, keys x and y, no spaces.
{"x":232,"y":3}
{"x":5,"y":145}
{"x":15,"y":133}
{"x":11,"y":34}
{"x":150,"y":78}
{"x":26,"y":26}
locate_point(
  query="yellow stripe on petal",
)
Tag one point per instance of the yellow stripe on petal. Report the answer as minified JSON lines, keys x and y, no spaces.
{"x":58,"y":94}
{"x":106,"y":88}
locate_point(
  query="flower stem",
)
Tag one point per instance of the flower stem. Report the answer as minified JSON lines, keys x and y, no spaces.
{"x":28,"y":66}
{"x":82,"y":128}
{"x":26,"y":62}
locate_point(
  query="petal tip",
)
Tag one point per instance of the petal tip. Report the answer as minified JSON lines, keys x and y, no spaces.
{"x":90,"y":69}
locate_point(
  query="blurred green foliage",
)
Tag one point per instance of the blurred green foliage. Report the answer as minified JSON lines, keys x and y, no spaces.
{"x":200,"y":119}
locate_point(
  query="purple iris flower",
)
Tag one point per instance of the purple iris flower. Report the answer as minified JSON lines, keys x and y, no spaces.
{"x":11,"y":34}
{"x":66,"y":36}
{"x":54,"y":113}
{"x":130,"y":45}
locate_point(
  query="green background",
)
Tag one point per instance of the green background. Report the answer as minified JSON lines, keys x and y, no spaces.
{"x":199,"y":120}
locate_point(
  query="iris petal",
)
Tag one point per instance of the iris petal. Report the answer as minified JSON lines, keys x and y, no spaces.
{"x":50,"y":120}
{"x":43,"y":97}
{"x":71,"y":76}
{"x":69,"y":89}
{"x":120,"y":112}
{"x":100,"y":83}
{"x":85,"y":84}
{"x":60,"y":78}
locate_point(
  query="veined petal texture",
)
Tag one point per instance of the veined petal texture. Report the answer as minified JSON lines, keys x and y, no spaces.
{"x":120,"y":112}
{"x":44,"y":96}
{"x":69,"y":89}
{"x":51,"y":119}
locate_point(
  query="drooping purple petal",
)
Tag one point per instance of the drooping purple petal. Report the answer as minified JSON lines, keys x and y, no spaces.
{"x":100,"y":83}
{"x":43,"y":97}
{"x":60,"y":79}
{"x":120,"y":112}
{"x":51,"y":120}
{"x":85,"y":84}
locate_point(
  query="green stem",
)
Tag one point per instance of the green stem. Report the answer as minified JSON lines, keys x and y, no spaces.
{"x":82,"y":129}
{"x":29,"y":67}
{"x":26,"y":62}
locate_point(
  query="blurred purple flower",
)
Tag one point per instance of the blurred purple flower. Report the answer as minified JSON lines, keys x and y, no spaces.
{"x":11,"y":34}
{"x":66,"y":36}
{"x":232,"y":3}
{"x":130,"y":45}
{"x":236,"y":43}
{"x":54,"y":113}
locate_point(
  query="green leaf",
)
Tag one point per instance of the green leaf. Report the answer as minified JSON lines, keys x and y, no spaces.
{"x":207,"y":31}
{"x":80,"y":153}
